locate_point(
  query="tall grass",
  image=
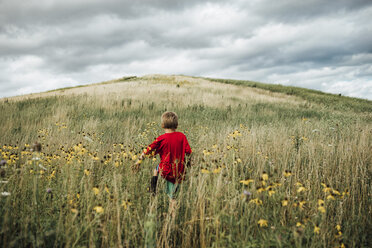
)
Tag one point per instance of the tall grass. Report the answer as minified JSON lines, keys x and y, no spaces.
{"x":297,"y":152}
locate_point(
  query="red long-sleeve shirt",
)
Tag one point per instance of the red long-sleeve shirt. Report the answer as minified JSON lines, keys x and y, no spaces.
{"x":172,"y":148}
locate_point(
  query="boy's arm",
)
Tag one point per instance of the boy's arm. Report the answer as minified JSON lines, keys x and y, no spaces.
{"x":188,"y":153}
{"x":140,"y":158}
{"x":188,"y":159}
{"x":150,"y":151}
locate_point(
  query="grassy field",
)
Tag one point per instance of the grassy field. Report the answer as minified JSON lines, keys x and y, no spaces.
{"x":272,"y":166}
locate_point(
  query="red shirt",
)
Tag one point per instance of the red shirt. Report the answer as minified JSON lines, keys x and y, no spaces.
{"x":172,"y":148}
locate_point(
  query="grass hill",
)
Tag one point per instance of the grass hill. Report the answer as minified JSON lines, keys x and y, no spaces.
{"x":273,"y":166}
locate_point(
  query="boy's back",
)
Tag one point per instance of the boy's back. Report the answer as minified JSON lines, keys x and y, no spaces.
{"x":172,"y":148}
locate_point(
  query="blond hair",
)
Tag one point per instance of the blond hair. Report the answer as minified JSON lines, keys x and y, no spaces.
{"x":169,"y":120}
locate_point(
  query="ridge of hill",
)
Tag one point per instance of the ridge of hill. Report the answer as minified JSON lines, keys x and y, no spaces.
{"x":333,"y":101}
{"x":336,"y":101}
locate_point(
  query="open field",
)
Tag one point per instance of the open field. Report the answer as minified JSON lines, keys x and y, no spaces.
{"x":272,"y":166}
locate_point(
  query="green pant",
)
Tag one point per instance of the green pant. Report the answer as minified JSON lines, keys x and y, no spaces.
{"x":172,"y":189}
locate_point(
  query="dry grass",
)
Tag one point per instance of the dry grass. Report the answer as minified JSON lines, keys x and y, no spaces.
{"x":236,"y":133}
{"x":190,"y":91}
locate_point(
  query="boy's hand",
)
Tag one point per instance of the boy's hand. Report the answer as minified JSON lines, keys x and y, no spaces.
{"x":188,"y":160}
{"x":136,"y":166}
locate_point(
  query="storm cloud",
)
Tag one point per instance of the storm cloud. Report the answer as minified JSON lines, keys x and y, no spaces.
{"x":325,"y":45}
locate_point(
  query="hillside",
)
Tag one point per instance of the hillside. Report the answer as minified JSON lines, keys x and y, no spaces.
{"x":272,"y":166}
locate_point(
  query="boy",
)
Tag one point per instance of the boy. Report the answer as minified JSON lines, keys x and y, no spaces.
{"x":172,"y":147}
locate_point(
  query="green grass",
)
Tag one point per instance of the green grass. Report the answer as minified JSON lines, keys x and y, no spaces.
{"x":234,"y":141}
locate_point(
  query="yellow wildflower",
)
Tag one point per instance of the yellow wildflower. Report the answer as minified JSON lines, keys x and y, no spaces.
{"x":206,"y":152}
{"x":260,"y":189}
{"x":74,"y":210}
{"x":125,"y":204}
{"x":299,"y":224}
{"x":277,"y":184}
{"x":98,"y":209}
{"x":336,"y":192}
{"x":316,"y":229}
{"x":321,"y":209}
{"x":338,"y":227}
{"x":345,"y":193}
{"x":301,"y":189}
{"x":301,"y":204}
{"x":52,"y":175}
{"x":204,"y":171}
{"x":320,"y":202}
{"x":265,"y":176}
{"x":330,"y":197}
{"x":256,"y":201}
{"x":96,"y":190}
{"x":271,"y":192}
{"x":262,"y":223}
{"x":86,"y":172}
{"x":285,"y":202}
{"x":270,"y":187}
{"x":327,"y":189}
{"x":287,"y":173}
{"x":216,"y":171}
{"x":247,"y":182}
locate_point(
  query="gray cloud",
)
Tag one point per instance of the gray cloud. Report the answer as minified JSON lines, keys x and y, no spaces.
{"x":295,"y":11}
{"x":312,"y":44}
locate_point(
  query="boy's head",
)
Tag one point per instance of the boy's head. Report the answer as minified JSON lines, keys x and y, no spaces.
{"x":169,"y":120}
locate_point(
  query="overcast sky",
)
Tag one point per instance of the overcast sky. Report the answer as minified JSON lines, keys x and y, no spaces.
{"x":318,"y":44}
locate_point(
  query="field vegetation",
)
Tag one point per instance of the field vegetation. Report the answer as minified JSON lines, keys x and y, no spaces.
{"x":272,"y":166}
